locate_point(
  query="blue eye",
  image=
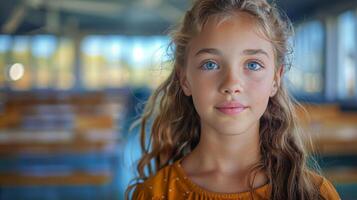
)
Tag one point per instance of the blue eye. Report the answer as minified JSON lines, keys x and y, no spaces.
{"x":210,"y":65}
{"x":255,"y":66}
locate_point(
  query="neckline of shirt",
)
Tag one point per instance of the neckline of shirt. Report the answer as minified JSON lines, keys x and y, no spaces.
{"x":194,"y":187}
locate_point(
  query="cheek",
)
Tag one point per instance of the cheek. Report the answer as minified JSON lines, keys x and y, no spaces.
{"x":202,"y":90}
{"x":259,"y":92}
{"x":203,"y":93}
{"x":201,"y":84}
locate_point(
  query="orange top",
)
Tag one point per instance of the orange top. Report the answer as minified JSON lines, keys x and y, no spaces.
{"x":171,"y":182}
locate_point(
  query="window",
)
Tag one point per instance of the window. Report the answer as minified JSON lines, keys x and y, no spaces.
{"x":347,"y":56}
{"x":5,"y":42}
{"x":115,"y":61}
{"x":106,"y":61}
{"x":43,"y":49}
{"x":306,"y":77}
{"x":64,"y":64}
{"x":20,"y":69}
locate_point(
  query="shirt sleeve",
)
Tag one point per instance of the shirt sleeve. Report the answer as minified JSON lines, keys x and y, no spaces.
{"x":328,"y":191}
{"x":139,"y":193}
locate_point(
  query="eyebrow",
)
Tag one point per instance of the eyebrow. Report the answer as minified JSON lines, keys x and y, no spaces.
{"x":209,"y":50}
{"x":218,"y":52}
{"x":255,"y":51}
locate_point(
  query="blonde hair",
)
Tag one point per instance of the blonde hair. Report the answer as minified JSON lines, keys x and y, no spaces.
{"x":175,"y":124}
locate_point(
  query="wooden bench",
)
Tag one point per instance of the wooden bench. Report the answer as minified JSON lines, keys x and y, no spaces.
{"x":75,"y":178}
{"x":86,"y":122}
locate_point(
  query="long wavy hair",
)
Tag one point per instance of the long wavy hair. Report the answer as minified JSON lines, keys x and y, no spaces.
{"x":175,"y":125}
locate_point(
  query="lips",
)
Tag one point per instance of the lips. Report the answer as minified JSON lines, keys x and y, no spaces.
{"x":231,"y":104}
{"x":231,"y":108}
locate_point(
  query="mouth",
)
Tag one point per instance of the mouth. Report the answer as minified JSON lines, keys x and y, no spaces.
{"x":231,"y":110}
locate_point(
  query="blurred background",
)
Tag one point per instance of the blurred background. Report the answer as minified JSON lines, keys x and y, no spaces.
{"x":74,"y":74}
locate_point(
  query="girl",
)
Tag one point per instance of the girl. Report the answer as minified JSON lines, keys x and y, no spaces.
{"x":223,"y":124}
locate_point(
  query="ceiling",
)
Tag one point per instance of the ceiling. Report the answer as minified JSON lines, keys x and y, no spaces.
{"x":144,"y":17}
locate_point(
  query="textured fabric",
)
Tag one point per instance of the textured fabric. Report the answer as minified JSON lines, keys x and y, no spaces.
{"x":172,"y":183}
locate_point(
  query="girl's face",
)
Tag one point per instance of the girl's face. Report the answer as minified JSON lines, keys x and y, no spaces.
{"x":230,"y":61}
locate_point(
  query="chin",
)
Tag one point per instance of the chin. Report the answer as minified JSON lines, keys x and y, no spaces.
{"x":232,"y":131}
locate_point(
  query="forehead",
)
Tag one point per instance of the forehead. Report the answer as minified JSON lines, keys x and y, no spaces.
{"x":234,"y":30}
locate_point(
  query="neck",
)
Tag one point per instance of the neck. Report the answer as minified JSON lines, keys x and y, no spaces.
{"x":226,"y":160}
{"x":228,"y":153}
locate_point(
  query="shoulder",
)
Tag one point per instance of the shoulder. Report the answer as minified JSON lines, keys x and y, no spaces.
{"x":327,"y":190}
{"x":155,"y":186}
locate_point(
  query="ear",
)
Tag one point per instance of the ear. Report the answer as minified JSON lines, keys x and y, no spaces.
{"x":183,"y":82}
{"x":277,"y":79}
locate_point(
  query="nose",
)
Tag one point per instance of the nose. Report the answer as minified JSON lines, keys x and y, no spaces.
{"x":232,"y":82}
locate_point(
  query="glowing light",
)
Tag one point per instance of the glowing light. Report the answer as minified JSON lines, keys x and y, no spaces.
{"x":16,"y":71}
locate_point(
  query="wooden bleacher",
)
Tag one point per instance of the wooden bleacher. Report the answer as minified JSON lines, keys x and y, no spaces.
{"x":93,"y":130}
{"x":75,"y":178}
{"x":333,"y":134}
{"x":332,"y":131}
